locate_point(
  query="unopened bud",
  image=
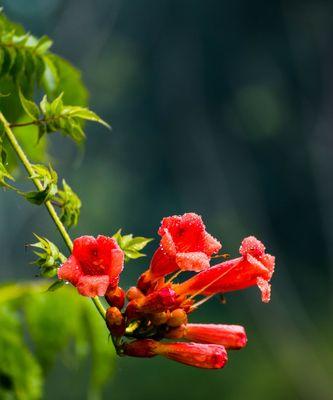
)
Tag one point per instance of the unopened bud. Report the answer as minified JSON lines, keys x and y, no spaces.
{"x":157,"y":301}
{"x":177,"y":318}
{"x":133,"y":293}
{"x":132,"y":310}
{"x":115,"y":297}
{"x":160,"y":318}
{"x":229,"y":336}
{"x":175,"y":333}
{"x":115,"y":321}
{"x":210,"y":356}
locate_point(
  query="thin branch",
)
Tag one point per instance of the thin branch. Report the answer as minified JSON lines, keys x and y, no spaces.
{"x":51,"y":210}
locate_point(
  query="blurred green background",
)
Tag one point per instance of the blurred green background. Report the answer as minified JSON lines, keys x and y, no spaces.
{"x":218,"y":107}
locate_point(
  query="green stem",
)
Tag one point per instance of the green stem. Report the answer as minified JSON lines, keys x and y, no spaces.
{"x":18,"y":125}
{"x":51,"y":210}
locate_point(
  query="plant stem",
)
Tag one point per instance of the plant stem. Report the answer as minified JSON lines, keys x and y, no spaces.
{"x":51,"y":210}
{"x":18,"y":125}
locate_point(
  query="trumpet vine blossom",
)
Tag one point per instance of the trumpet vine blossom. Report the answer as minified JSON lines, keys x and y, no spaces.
{"x":151,"y":317}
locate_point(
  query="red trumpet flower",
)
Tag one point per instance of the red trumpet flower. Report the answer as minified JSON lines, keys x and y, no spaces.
{"x":229,"y":336}
{"x":209,"y":356}
{"x":254,"y":267}
{"x":184,"y":245}
{"x":155,"y":302}
{"x":94,"y":266}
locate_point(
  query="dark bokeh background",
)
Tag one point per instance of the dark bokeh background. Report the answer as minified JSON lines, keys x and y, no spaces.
{"x":218,"y":107}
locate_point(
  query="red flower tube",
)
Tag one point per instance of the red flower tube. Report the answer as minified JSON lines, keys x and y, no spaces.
{"x":94,"y":266}
{"x":184,"y":245}
{"x":158,"y":301}
{"x":229,"y":336}
{"x":254,"y":267}
{"x":209,"y":356}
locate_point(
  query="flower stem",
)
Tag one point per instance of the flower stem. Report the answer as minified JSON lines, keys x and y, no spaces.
{"x":51,"y":210}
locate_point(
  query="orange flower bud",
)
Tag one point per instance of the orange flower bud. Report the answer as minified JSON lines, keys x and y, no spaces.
{"x":115,"y":321}
{"x":175,"y":333}
{"x":133,"y":293}
{"x":115,"y":297}
{"x":177,"y":318}
{"x":160,"y":318}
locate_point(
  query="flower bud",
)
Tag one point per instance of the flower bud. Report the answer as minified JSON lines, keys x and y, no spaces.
{"x":144,"y":282}
{"x":177,"y":318}
{"x":133,"y":293}
{"x":175,"y":333}
{"x":115,"y":297}
{"x":157,"y":301}
{"x":229,"y":336}
{"x":160,"y":318}
{"x":209,"y":356}
{"x":115,"y":321}
{"x":132,"y":310}
{"x":140,"y":348}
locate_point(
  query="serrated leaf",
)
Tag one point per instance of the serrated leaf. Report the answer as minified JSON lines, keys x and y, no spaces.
{"x":44,"y":105}
{"x":4,"y":174}
{"x":56,"y":285}
{"x":29,"y":107}
{"x":43,"y":44}
{"x":84,"y":113}
{"x":131,"y":245}
{"x":139,"y":242}
{"x":70,"y":205}
{"x":49,"y":258}
{"x":37,"y":197}
{"x":56,"y":106}
{"x":133,"y":254}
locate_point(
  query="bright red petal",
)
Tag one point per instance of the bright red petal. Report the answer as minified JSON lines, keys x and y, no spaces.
{"x":195,"y":261}
{"x":70,"y":270}
{"x":85,"y":251}
{"x":91,"y":286}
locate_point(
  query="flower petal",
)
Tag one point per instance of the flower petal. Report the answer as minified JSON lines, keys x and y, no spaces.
{"x":93,"y":285}
{"x":70,"y":270}
{"x":85,"y":250}
{"x":265,"y":289}
{"x":211,"y":245}
{"x":117,"y":265}
{"x":194,"y":261}
{"x":167,"y":244}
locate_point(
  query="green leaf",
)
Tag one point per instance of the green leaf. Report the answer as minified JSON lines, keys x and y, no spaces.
{"x":38,"y":197}
{"x":139,"y":242}
{"x":49,"y":178}
{"x":102,"y":352}
{"x":70,"y":205}
{"x":131,"y":245}
{"x":83,"y":113}
{"x":49,"y":257}
{"x":50,"y":78}
{"x":70,"y":82}
{"x":53,"y":334}
{"x":56,"y":285}
{"x":20,"y":374}
{"x":4,"y":174}
{"x":49,"y":328}
{"x":43,"y":44}
{"x":29,"y":107}
{"x":65,"y":118}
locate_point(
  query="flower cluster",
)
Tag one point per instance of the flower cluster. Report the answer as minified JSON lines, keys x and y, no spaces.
{"x":157,"y":308}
